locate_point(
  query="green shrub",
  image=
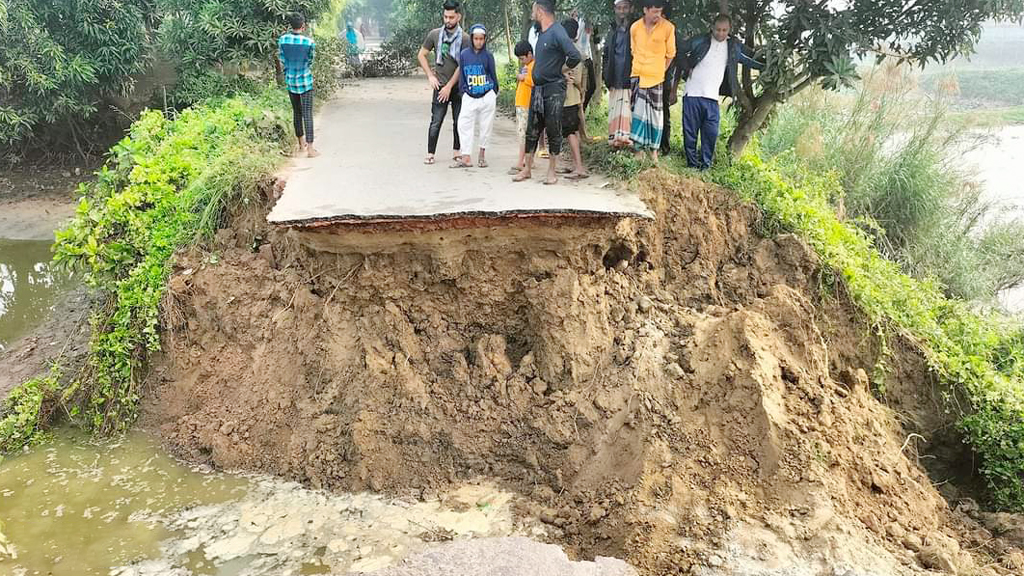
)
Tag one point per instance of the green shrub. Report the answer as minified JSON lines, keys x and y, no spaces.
{"x":23,"y":411}
{"x":211,"y":39}
{"x":58,"y":58}
{"x":167,"y":185}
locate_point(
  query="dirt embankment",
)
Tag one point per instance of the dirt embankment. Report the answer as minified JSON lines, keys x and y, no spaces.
{"x":675,"y":393}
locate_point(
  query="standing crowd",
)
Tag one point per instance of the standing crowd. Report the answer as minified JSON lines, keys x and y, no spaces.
{"x":643,"y":63}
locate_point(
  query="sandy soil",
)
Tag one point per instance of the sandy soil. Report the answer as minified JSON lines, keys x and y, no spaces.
{"x":677,"y":393}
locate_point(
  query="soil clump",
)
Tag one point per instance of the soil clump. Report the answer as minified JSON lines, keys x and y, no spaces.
{"x":676,"y":393}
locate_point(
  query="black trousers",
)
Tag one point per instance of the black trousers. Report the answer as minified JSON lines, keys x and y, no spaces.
{"x":546,"y":114}
{"x":302,"y":114}
{"x":438,"y":110}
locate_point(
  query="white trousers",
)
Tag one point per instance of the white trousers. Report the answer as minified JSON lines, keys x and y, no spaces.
{"x":476,"y":113}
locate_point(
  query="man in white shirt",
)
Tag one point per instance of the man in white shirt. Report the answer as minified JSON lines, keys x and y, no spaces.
{"x":710,"y":62}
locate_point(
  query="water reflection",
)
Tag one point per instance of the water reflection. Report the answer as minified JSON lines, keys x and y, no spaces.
{"x":29,"y":286}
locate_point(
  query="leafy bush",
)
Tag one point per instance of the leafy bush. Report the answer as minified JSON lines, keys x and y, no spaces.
{"x":898,"y":161}
{"x":982,"y":355}
{"x":166,"y":185}
{"x":23,"y":411}
{"x":397,"y":56}
{"x":58,"y":58}
{"x":208,"y":39}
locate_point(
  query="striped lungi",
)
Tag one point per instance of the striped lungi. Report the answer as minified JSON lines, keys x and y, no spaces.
{"x":648,"y":116}
{"x":620,"y":116}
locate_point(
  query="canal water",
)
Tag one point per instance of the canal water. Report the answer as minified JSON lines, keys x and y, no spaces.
{"x":29,"y":286}
{"x":125,"y":508}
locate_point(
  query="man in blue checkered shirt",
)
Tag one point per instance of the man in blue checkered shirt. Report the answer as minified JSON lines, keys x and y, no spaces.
{"x":296,"y":53}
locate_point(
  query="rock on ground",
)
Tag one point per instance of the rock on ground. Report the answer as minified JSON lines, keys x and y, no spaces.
{"x":503,"y":557}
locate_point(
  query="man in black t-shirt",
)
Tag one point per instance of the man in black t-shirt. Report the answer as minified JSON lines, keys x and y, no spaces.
{"x":442,"y":72}
{"x":554,"y":55}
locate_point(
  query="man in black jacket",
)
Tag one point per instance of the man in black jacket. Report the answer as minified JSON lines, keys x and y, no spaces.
{"x":710,"y":63}
{"x":617,"y":62}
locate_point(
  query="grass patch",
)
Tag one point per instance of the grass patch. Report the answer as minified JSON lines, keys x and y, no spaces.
{"x":167,"y":185}
{"x":1000,"y":86}
{"x":989,"y":117}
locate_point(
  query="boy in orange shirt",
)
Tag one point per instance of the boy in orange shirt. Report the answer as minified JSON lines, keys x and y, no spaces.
{"x":524,"y":90}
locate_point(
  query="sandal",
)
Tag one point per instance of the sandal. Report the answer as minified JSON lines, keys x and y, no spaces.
{"x":482,"y":163}
{"x":521,"y":177}
{"x":460,"y":164}
{"x":577,"y":176}
{"x":429,"y":160}
{"x":551,"y":182}
{"x":514,"y":170}
{"x":563,"y":171}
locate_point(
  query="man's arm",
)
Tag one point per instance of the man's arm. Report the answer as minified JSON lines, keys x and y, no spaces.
{"x":492,"y":69}
{"x":445,"y":91}
{"x":572,"y":55}
{"x":312,"y":52}
{"x":425,"y":49}
{"x":746,"y":58}
{"x":670,"y":48}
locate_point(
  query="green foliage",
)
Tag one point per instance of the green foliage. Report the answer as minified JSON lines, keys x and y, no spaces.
{"x":895,"y":155}
{"x":208,"y":39}
{"x":59,"y":58}
{"x":982,"y":355}
{"x":22,"y":412}
{"x":167,"y":185}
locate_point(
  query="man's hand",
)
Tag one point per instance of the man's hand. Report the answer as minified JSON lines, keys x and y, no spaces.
{"x":432,"y":80}
{"x":444,"y":93}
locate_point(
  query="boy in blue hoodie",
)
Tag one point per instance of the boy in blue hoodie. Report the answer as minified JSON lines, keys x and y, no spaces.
{"x":478,"y":79}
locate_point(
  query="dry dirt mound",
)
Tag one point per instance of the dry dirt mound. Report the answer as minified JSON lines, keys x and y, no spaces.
{"x":662,"y":392}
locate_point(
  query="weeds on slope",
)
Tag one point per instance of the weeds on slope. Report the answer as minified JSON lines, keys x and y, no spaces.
{"x":166,"y":185}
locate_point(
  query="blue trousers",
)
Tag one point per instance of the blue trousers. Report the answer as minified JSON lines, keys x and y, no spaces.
{"x":700,"y":116}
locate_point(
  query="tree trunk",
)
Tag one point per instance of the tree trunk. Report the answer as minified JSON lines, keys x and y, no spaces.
{"x":527,"y":20}
{"x":750,"y":121}
{"x":508,"y":36}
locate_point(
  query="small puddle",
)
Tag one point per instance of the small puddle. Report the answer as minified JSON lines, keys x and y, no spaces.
{"x":128,"y":509}
{"x":29,"y":287}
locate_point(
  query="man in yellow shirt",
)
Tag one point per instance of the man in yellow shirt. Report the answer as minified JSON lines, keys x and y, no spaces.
{"x":653,"y":41}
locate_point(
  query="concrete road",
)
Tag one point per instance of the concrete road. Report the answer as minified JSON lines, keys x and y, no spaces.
{"x":372,"y":140}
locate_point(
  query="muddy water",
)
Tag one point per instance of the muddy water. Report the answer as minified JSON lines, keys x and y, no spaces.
{"x":29,"y":286}
{"x":76,"y":508}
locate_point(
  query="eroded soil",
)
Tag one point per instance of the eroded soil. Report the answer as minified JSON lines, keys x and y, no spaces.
{"x":677,"y":393}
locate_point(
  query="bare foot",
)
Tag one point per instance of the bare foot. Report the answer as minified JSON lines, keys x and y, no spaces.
{"x":524,"y":175}
{"x":311,"y":152}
